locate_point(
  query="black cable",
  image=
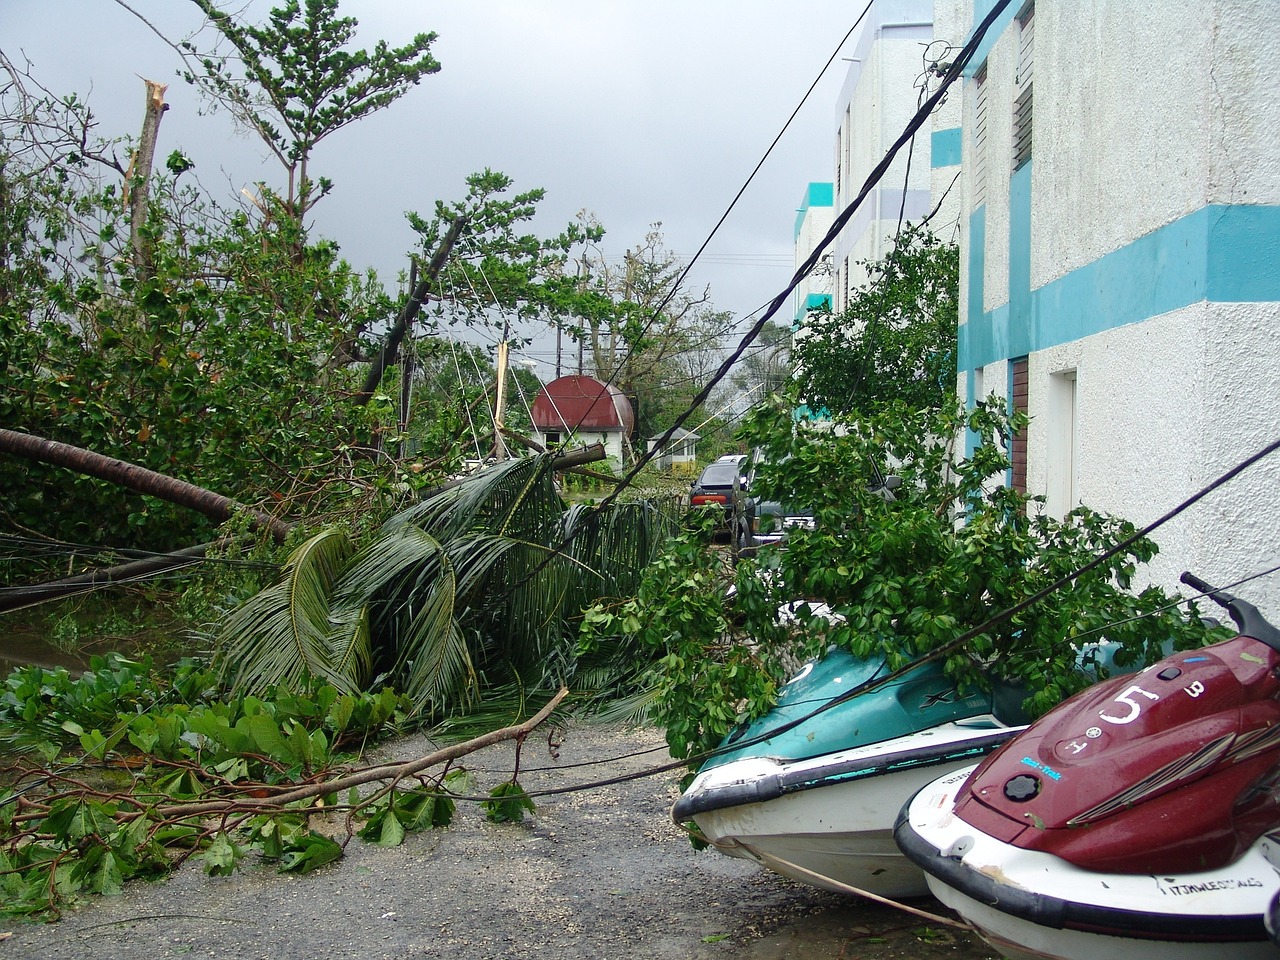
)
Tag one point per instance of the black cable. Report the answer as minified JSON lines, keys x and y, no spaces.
{"x":675,"y":287}
{"x":952,"y":646}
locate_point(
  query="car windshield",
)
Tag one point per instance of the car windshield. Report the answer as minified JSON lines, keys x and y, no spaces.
{"x":719,"y":475}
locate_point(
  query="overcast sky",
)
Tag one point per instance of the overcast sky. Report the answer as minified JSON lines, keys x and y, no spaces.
{"x":638,"y":111}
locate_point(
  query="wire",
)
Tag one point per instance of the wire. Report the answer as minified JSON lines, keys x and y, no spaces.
{"x":675,"y":286}
{"x":917,"y":121}
{"x":873,"y":178}
{"x":878,"y":681}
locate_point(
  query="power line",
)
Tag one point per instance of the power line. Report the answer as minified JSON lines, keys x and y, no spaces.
{"x":873,"y":178}
{"x":675,"y":287}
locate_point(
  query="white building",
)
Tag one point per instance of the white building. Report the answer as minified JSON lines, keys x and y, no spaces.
{"x":880,"y":95}
{"x":578,"y":411}
{"x":813,"y":222}
{"x":1119,"y":277}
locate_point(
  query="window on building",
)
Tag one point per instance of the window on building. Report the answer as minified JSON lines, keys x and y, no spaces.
{"x":1022,"y":86}
{"x":553,"y":437}
{"x":980,"y":137}
{"x":1018,"y":378}
{"x":839,"y":185}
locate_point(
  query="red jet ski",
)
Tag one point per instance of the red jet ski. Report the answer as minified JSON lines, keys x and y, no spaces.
{"x":1139,"y":819}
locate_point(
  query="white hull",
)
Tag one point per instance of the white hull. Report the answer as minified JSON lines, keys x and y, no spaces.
{"x":828,"y":821}
{"x":1050,"y":908}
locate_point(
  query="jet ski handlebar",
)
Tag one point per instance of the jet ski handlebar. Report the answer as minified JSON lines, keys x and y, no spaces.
{"x":1249,"y":620}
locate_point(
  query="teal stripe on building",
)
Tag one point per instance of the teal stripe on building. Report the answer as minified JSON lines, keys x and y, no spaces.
{"x":815,"y":195}
{"x":1220,"y":254}
{"x":980,"y":10}
{"x":944,"y":148}
{"x":812,"y":301}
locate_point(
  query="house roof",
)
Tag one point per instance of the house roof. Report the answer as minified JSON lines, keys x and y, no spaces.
{"x":582,"y":403}
{"x":680,"y":433}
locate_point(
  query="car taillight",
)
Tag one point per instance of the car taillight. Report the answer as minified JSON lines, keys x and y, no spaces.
{"x":699,"y":499}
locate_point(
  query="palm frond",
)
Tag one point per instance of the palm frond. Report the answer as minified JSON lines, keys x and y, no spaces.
{"x":282,"y":635}
{"x":468,"y":589}
{"x":515,"y":497}
{"x":634,"y":708}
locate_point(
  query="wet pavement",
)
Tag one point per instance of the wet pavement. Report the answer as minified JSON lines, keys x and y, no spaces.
{"x":595,"y":874}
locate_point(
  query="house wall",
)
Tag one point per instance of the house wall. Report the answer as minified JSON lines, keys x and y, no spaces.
{"x":1132,"y":261}
{"x":612,"y":440}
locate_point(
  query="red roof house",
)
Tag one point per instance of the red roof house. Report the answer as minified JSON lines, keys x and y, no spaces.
{"x":585,"y":409}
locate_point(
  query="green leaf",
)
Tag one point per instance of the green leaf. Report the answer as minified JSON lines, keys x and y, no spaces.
{"x":309,"y":852}
{"x":107,"y":878}
{"x":221,"y":857}
{"x":508,"y":804}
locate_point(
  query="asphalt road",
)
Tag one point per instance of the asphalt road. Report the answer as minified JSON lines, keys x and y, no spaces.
{"x":591,"y":875}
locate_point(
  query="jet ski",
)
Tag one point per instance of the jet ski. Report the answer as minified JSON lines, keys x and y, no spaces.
{"x":811,"y":789}
{"x":1138,"y":819}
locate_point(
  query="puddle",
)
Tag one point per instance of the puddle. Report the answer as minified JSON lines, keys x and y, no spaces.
{"x":23,"y":647}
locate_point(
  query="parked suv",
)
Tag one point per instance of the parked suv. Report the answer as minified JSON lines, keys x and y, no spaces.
{"x":715,"y":486}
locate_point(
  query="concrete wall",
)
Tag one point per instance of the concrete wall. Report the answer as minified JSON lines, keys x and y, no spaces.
{"x":950,"y":27}
{"x":879,"y":97}
{"x":1132,"y":260}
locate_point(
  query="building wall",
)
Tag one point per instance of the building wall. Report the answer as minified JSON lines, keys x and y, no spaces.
{"x":879,"y":97}
{"x":813,"y":221}
{"x":946,"y":139}
{"x":1132,"y":261}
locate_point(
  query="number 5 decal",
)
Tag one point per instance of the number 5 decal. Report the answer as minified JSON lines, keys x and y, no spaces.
{"x":1135,"y":708}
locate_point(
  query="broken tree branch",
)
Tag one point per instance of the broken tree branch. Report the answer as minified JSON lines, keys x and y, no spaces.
{"x":386,"y":771}
{"x":386,"y":354}
{"x":137,"y":182}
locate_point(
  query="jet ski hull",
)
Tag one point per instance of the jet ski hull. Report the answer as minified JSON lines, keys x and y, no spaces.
{"x":1032,"y":904}
{"x":828,"y":821}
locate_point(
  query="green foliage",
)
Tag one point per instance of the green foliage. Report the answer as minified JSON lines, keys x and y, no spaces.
{"x":508,"y":803}
{"x":902,"y":578}
{"x":295,"y":81}
{"x":467,"y":584}
{"x":150,"y":740}
{"x":894,"y":343}
{"x":679,"y":631}
{"x":397,"y":813}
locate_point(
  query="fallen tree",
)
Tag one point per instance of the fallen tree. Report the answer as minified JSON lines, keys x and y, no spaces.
{"x":176,"y":491}
{"x":138,"y":479}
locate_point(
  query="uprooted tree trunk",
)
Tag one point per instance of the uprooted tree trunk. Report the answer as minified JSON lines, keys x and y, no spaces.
{"x":139,"y":479}
{"x":15,"y":598}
